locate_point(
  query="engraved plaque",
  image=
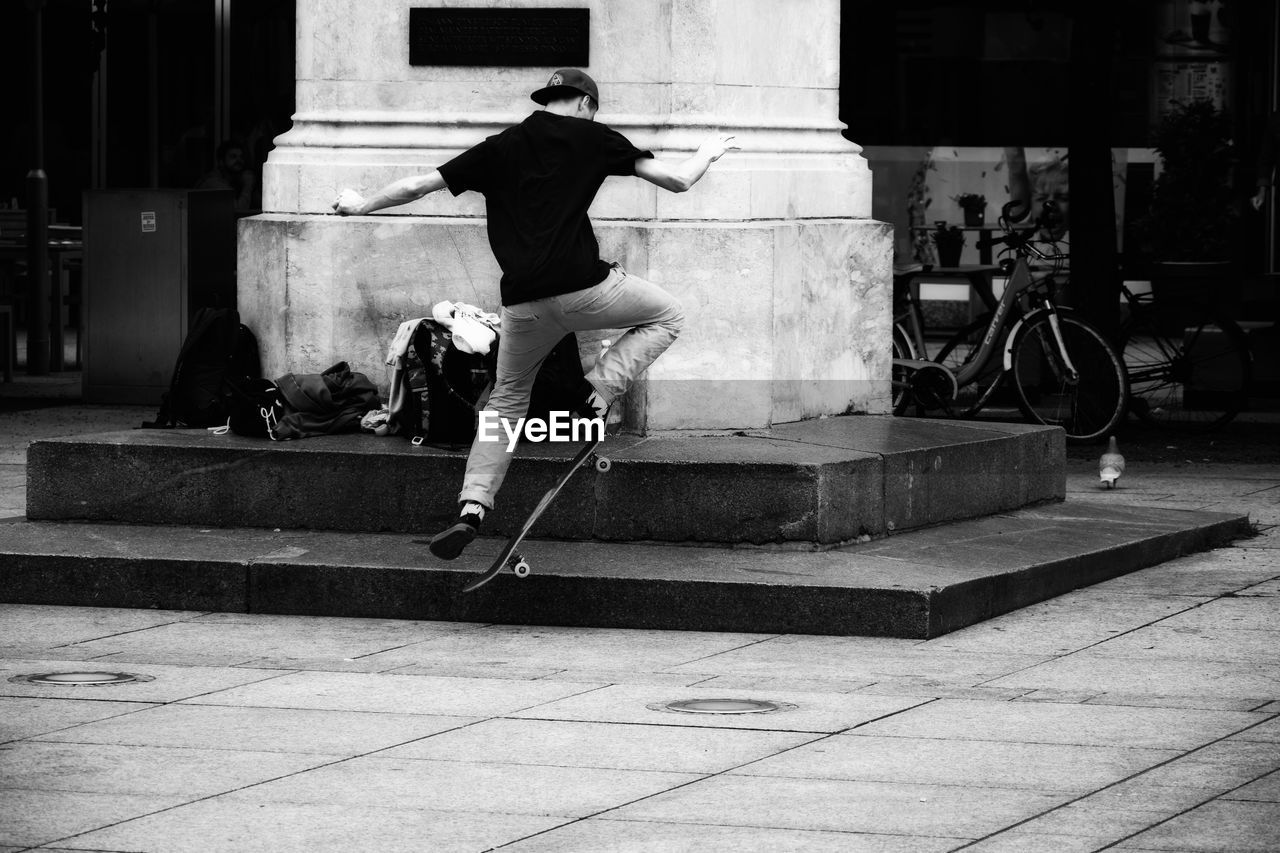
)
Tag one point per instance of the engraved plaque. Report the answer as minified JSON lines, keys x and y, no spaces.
{"x":501,"y":37}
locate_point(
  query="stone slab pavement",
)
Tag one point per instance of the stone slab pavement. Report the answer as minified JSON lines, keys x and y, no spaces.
{"x":1138,"y":714}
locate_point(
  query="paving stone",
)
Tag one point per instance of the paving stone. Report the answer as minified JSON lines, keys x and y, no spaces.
{"x":1268,"y":731}
{"x":1064,"y":697}
{"x":171,"y":684}
{"x":1221,"y":766}
{"x":766,"y":683}
{"x":144,"y":770}
{"x":1039,"y":722}
{"x":595,"y":835}
{"x":260,"y":729}
{"x":470,"y":786}
{"x":1222,"y":826}
{"x":1207,"y":644}
{"x":403,"y":694}
{"x":1017,"y":840}
{"x":1202,"y":703}
{"x":1087,"y":818}
{"x":1266,"y":789}
{"x":1270,"y":588}
{"x":906,"y":686}
{"x":1057,"y":627}
{"x":482,"y":670}
{"x":812,"y":712}
{"x":862,"y":659}
{"x":29,"y":817}
{"x":1090,"y":671}
{"x":602,"y":745}
{"x":244,"y":823}
{"x":520,"y":645}
{"x":1257,"y":614}
{"x":1144,"y":794}
{"x":25,"y":718}
{"x":247,"y":640}
{"x":831,"y":805}
{"x":310,"y":664}
{"x":37,"y":651}
{"x":46,"y":626}
{"x":625,"y":676}
{"x":988,"y":764}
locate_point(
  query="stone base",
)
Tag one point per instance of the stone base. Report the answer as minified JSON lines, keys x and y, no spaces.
{"x":785,"y":319}
{"x":819,"y":483}
{"x":918,"y":585}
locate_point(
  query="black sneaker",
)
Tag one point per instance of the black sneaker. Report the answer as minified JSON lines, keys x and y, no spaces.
{"x":448,"y":543}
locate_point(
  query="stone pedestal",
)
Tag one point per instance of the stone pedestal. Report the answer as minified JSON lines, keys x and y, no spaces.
{"x":785,"y":279}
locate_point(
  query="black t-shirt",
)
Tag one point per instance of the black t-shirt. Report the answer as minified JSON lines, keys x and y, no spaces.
{"x":538,"y":179}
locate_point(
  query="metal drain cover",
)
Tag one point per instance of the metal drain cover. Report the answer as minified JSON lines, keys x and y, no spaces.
{"x":723,"y":706}
{"x":76,"y":678}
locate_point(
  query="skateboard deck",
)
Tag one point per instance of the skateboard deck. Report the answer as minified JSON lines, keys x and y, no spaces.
{"x":508,"y":555}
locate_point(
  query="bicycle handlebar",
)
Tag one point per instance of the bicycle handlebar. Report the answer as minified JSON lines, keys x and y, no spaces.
{"x":1019,"y":241}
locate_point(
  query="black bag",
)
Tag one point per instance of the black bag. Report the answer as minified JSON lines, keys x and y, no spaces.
{"x":440,"y":390}
{"x":218,"y":350}
{"x":449,"y":386}
{"x":255,"y":408}
{"x":560,"y":383}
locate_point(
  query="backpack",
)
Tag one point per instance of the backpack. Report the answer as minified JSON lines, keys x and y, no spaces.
{"x":218,"y":352}
{"x":559,"y":384}
{"x":439,"y":389}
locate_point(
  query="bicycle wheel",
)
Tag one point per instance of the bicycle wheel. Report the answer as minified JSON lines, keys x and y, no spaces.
{"x":959,"y":349}
{"x":1196,"y":379}
{"x":1088,"y":407}
{"x":902,"y":348}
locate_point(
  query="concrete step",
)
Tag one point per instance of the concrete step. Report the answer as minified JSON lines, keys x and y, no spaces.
{"x":826,"y":481}
{"x":919,"y":584}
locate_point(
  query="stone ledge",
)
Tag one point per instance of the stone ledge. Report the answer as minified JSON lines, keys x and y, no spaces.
{"x":918,"y":585}
{"x":818,"y":482}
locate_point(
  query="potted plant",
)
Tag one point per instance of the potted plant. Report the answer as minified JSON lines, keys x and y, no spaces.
{"x":974,"y":207}
{"x":949,"y":240}
{"x":1188,"y":232}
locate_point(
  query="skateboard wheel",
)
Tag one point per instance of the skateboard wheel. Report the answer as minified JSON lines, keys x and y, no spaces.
{"x":521,"y":569}
{"x":603,"y":463}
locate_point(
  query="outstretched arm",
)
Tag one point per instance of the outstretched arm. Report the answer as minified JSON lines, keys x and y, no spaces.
{"x":680,"y":177}
{"x":403,"y":191}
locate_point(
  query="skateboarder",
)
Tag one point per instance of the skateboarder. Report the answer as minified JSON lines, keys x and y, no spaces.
{"x":538,"y":179}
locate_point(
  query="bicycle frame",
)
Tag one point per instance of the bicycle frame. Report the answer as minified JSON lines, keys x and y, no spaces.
{"x":1019,"y":282}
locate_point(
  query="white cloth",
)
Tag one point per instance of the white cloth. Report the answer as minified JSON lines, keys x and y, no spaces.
{"x":474,"y":331}
{"x":400,"y":343}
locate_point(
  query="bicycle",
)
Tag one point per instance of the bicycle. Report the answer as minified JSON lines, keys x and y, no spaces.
{"x":1060,"y":368}
{"x":1189,"y":366}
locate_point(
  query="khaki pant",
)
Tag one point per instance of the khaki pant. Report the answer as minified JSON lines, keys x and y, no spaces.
{"x":530,"y":330}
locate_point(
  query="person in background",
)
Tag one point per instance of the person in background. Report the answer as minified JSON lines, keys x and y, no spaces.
{"x":232,"y":172}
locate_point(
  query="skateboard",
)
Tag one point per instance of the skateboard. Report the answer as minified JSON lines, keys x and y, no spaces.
{"x":509,"y":556}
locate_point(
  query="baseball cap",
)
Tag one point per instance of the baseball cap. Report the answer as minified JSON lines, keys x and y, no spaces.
{"x":566,"y":83}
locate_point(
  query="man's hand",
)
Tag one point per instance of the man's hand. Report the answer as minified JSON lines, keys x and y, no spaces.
{"x":348,"y":203}
{"x":714,"y":147}
{"x":1259,"y":198}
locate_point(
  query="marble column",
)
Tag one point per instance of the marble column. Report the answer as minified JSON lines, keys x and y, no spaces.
{"x":784,"y":277}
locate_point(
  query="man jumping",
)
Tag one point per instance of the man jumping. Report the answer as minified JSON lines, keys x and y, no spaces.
{"x":538,"y":179}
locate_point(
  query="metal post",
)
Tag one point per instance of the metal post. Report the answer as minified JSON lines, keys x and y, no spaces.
{"x":38,"y":290}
